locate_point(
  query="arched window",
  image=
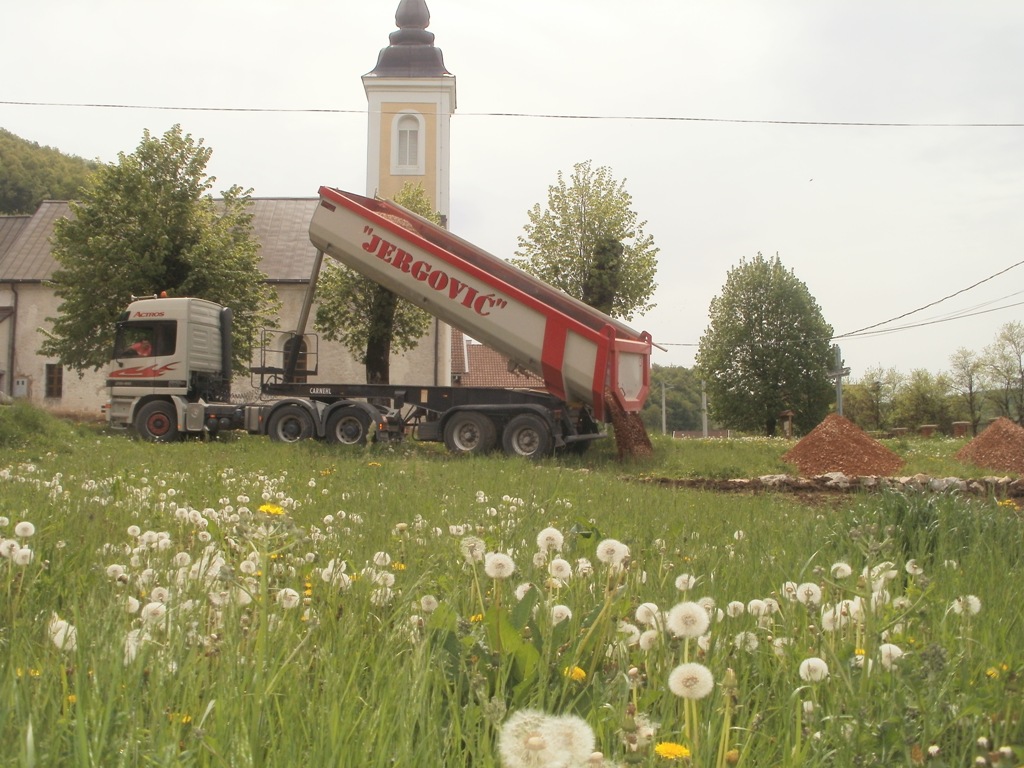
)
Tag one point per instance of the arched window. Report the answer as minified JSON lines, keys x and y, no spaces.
{"x":407,"y":145}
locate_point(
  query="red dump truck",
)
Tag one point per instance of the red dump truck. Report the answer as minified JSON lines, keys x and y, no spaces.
{"x":181,"y":385}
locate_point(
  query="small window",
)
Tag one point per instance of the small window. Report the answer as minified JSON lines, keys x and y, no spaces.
{"x":407,"y":145}
{"x":149,"y":339}
{"x":54,"y":381}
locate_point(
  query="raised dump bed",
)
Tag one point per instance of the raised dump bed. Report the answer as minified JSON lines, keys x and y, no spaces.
{"x":579,"y":351}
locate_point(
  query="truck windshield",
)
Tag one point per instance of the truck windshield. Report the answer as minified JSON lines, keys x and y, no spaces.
{"x":148,"y":339}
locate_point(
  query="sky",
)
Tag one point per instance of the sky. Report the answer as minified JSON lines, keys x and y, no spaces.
{"x":738,"y":127}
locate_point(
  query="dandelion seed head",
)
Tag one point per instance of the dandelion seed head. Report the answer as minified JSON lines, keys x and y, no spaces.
{"x":687,"y":619}
{"x":498,"y":565}
{"x":691,"y":681}
{"x":24,"y":530}
{"x":813,"y":669}
{"x":550,"y":540}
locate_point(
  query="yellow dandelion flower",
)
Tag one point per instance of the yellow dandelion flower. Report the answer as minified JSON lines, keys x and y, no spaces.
{"x":398,"y":566}
{"x":859,"y":651}
{"x":272,"y":509}
{"x":671,"y":751}
{"x":992,"y":672}
{"x":374,"y":464}
{"x":476,"y":617}
{"x":575,"y":673}
{"x":72,"y":698}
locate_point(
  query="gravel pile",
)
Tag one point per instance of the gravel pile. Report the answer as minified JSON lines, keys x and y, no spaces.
{"x":999,"y":447}
{"x":839,"y":445}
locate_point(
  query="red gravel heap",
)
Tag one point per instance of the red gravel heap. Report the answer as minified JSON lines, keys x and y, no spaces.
{"x":999,"y":447}
{"x":839,"y":445}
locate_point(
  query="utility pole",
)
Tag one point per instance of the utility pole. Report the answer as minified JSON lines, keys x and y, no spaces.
{"x":838,"y":374}
{"x":703,"y":409}
{"x":663,"y":419}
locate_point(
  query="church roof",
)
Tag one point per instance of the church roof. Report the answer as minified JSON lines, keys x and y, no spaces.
{"x":412,"y":52}
{"x":280,"y":225}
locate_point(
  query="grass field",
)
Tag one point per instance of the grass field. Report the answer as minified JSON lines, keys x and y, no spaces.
{"x":243,"y":603}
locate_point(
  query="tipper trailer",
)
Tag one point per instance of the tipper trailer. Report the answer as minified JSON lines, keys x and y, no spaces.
{"x":583,"y":355}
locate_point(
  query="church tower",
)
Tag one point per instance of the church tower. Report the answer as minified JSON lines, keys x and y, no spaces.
{"x":411,"y":99}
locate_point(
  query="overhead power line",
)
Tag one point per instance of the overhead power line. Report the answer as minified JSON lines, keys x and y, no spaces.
{"x":861,"y":331}
{"x":533,"y":115}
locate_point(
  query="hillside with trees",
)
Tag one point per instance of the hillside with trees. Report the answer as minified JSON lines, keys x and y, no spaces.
{"x":30,"y":173}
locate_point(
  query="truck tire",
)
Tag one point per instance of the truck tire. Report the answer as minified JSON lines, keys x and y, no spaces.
{"x":290,"y":424}
{"x":470,"y":432}
{"x":348,"y":426}
{"x":157,"y":422}
{"x":527,"y":435}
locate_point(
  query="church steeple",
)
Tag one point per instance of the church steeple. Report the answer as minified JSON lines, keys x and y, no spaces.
{"x":412,"y":52}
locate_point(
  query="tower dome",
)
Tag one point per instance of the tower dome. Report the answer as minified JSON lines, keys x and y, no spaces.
{"x":411,"y":52}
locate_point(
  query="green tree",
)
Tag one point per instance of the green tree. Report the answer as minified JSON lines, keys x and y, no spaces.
{"x":1003,"y":362}
{"x":589,"y":243}
{"x":868,"y":401}
{"x":682,"y":399}
{"x":925,"y":399}
{"x":147,"y":224}
{"x":371,"y":321}
{"x":966,"y":377}
{"x":766,"y":350}
{"x":30,"y":174}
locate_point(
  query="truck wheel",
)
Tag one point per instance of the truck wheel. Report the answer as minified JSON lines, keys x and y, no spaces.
{"x":290,"y":424}
{"x":157,"y":422}
{"x":470,"y":432}
{"x":527,"y":435}
{"x":348,"y":426}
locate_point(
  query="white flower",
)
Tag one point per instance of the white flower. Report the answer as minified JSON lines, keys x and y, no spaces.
{"x":757,"y":608}
{"x":584,"y":567}
{"x":630,"y":631}
{"x":522,"y":589}
{"x":560,"y":613}
{"x":967,"y":604}
{"x":288,"y":598}
{"x":132,"y":642}
{"x":809,"y":593}
{"x":685,"y":582}
{"x":153,"y":612}
{"x":382,"y":559}
{"x":889,"y":654}
{"x":131,"y":605}
{"x":649,"y":639}
{"x":691,"y":681}
{"x":24,"y":529}
{"x":9,"y":547}
{"x":789,"y":590}
{"x":532,"y":739}
{"x":687,"y":619}
{"x":779,"y":645}
{"x":735,"y":608}
{"x":813,"y":669}
{"x":498,"y":565}
{"x":63,"y":635}
{"x":841,"y":570}
{"x":472,"y":549}
{"x":612,"y":552}
{"x":560,"y":569}
{"x":428,"y":603}
{"x":648,"y":614}
{"x":913,"y":568}
{"x":746,"y":641}
{"x":550,"y":540}
{"x":159,"y":594}
{"x":23,"y":556}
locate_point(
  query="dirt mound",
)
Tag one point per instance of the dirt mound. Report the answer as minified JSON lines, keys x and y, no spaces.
{"x":631,"y":437}
{"x":839,"y":445}
{"x":1000,"y":447}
